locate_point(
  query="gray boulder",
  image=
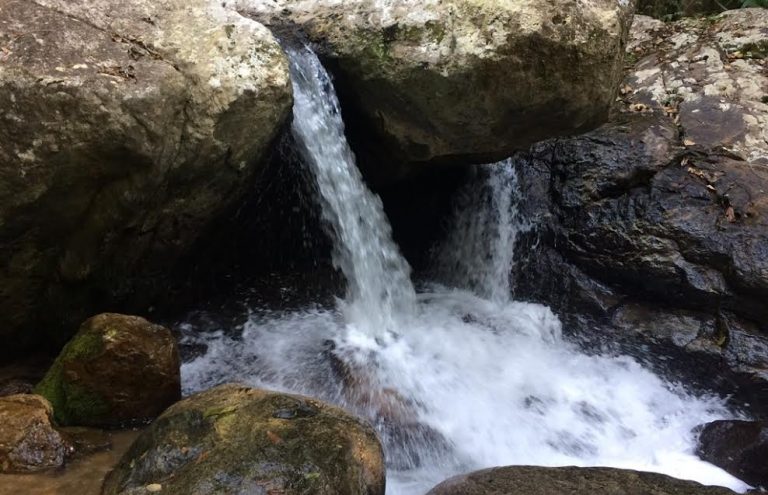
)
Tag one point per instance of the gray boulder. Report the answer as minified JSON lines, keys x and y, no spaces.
{"x":127,"y":129}
{"x":460,"y":80}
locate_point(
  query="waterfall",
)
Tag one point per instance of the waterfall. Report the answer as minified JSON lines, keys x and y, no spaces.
{"x":458,"y":377}
{"x":378,"y":277}
{"x":480,"y":247}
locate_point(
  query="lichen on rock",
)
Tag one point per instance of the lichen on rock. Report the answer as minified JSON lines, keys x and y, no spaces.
{"x":464,"y":80}
{"x":127,"y":130}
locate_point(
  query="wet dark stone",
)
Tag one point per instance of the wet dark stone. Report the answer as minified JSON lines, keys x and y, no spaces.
{"x":302,"y":410}
{"x":659,"y":249}
{"x":739,"y":447}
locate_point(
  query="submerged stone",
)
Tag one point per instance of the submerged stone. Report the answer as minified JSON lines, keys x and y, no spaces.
{"x":233,"y":439}
{"x":117,"y":370}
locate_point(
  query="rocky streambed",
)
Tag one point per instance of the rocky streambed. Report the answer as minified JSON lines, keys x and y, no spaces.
{"x":147,"y":166}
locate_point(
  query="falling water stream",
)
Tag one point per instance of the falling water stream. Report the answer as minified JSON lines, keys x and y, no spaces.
{"x":457,"y":377}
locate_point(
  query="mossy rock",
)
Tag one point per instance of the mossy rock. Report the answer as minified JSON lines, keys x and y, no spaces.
{"x":234,"y":439}
{"x":534,"y":480}
{"x":117,"y":370}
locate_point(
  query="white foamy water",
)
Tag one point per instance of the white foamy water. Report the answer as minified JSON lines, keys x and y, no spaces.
{"x":457,"y":378}
{"x":478,"y":252}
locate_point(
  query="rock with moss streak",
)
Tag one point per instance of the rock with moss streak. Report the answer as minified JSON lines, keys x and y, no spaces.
{"x":464,"y":80}
{"x":530,"y":480}
{"x":234,"y":439}
{"x":116,"y":370}
{"x":127,"y":129}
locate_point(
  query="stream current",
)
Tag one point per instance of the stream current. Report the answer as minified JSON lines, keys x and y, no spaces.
{"x":455,"y":376}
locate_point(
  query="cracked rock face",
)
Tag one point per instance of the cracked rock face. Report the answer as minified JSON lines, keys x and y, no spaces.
{"x":710,"y":74}
{"x":126,"y":129}
{"x":653,"y":229}
{"x":464,"y":80}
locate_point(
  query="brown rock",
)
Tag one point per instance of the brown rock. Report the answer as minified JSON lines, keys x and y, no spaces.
{"x":234,"y":439}
{"x":28,"y":441}
{"x":118,"y":369}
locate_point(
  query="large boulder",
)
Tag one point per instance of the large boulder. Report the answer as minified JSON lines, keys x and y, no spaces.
{"x":28,"y":441}
{"x":654,"y":242}
{"x":116,"y":370}
{"x":654,"y":227}
{"x":739,"y":447}
{"x":234,"y":439}
{"x":529,"y":480}
{"x":464,"y":80}
{"x":126,"y":129}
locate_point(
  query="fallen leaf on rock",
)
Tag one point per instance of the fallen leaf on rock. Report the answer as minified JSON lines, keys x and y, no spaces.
{"x":730,"y":214}
{"x":688,"y":142}
{"x":154,"y":487}
{"x":274,"y":438}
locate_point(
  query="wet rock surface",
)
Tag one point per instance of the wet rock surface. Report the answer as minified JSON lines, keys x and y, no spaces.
{"x":653,"y":229}
{"x":739,"y":447}
{"x":117,"y":370}
{"x":655,"y":241}
{"x":235,"y":439}
{"x":528,"y":480}
{"x":459,"y":81}
{"x":128,"y":129}
{"x":28,"y":441}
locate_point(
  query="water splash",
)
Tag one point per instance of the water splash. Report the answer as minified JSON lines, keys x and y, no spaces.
{"x":456,"y":378}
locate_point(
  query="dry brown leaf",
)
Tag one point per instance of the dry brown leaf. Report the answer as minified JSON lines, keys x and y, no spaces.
{"x":274,"y":438}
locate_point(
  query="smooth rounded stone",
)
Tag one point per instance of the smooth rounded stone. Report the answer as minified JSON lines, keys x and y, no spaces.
{"x":530,"y":480}
{"x":116,"y":370}
{"x":234,"y":439}
{"x":128,"y":128}
{"x":28,"y":441}
{"x":739,"y":447}
{"x":463,"y":80}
